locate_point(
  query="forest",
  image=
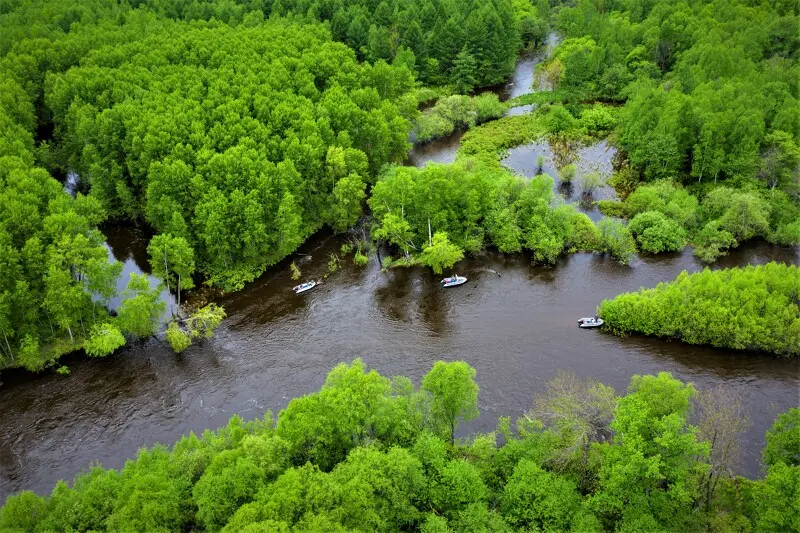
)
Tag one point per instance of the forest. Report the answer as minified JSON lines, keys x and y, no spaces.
{"x":751,"y":308}
{"x":369,"y":453}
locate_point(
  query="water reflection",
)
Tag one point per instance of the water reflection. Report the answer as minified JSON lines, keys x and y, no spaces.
{"x":129,"y":246}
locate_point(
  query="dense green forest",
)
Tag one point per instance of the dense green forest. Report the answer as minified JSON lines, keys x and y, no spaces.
{"x":752,"y":308}
{"x":368,"y":453}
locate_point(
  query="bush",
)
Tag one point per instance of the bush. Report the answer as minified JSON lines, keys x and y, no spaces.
{"x":612,"y":208}
{"x":487,"y":107}
{"x":590,"y":182}
{"x":616,"y":239}
{"x":598,"y":119}
{"x":560,"y":122}
{"x":787,"y":234}
{"x":712,"y":242}
{"x":567,"y":173}
{"x":666,"y":198}
{"x":655,"y":233}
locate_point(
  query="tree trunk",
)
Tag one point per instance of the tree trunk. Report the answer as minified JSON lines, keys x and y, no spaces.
{"x":10,"y":351}
{"x":166,"y":281}
{"x":430,"y":240}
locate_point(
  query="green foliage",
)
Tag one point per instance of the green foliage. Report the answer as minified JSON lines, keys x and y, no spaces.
{"x":560,"y":121}
{"x":141,"y":308}
{"x":104,"y":339}
{"x":616,"y":239}
{"x":783,"y":440}
{"x":441,"y":253}
{"x":598,"y":119}
{"x":655,"y":233}
{"x":200,"y":324}
{"x":666,"y":198}
{"x":470,"y":201}
{"x":646,"y":477}
{"x":172,"y":260}
{"x":535,"y":499}
{"x":712,"y":242}
{"x":456,"y":112}
{"x":590,"y":182}
{"x":567,"y":173}
{"x":358,"y":456}
{"x":611,"y":208}
{"x":178,"y":339}
{"x":295,"y":270}
{"x":453,"y":396}
{"x":753,"y":308}
{"x":278,"y":131}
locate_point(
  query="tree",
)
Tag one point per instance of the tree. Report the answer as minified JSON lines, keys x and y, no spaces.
{"x":783,"y":440}
{"x":590,"y":182}
{"x":178,"y":339}
{"x":205,"y":320}
{"x":550,"y":72}
{"x":580,"y":411}
{"x":464,"y":71}
{"x":141,"y":308}
{"x":453,"y":396}
{"x":396,"y":230}
{"x":646,"y":475}
{"x":104,"y":339}
{"x":655,"y":233}
{"x":616,"y":239}
{"x":349,"y":194}
{"x":535,"y":499}
{"x":712,"y":242}
{"x":722,"y":422}
{"x":172,"y":260}
{"x":441,"y":254}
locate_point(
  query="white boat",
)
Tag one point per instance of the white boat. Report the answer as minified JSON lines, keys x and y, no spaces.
{"x":303,"y":287}
{"x":454,"y":281}
{"x":590,"y":322}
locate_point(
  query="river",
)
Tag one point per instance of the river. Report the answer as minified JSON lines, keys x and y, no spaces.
{"x":513,"y":322}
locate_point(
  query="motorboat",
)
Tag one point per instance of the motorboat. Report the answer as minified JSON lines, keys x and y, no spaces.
{"x":590,"y":322}
{"x":303,"y":287}
{"x":454,"y":281}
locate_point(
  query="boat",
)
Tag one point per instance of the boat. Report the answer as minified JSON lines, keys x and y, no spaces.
{"x":454,"y":281}
{"x":303,"y":287}
{"x":590,"y":322}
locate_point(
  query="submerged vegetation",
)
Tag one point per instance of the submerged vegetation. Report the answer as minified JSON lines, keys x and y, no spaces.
{"x":367,"y":453}
{"x":752,"y":308}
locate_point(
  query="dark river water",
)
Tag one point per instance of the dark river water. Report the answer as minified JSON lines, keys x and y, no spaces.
{"x":513,"y":322}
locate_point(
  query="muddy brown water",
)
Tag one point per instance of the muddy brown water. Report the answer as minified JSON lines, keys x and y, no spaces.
{"x":513,"y":322}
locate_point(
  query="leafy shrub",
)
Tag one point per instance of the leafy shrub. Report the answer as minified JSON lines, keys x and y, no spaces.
{"x":612,"y":208}
{"x":655,"y":233}
{"x":616,"y":239}
{"x":598,"y":118}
